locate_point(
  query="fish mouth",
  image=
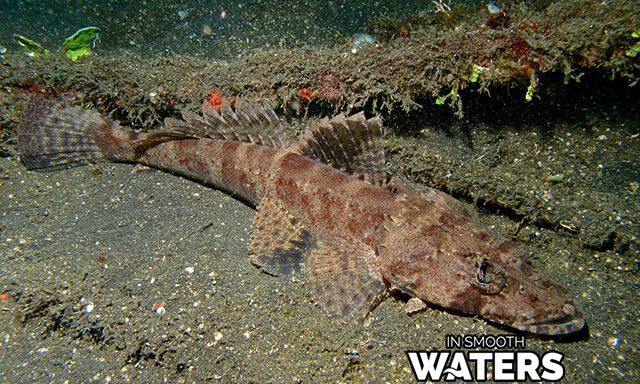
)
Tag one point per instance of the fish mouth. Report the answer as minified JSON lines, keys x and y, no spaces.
{"x":569,"y":321}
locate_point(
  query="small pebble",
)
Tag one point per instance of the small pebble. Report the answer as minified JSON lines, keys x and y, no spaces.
{"x":157,"y":306}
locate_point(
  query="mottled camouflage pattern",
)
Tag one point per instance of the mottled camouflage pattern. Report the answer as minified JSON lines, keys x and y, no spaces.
{"x":325,"y":210}
{"x":450,"y":260}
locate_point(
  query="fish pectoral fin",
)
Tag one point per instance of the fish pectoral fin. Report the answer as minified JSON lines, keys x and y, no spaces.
{"x":279,"y":242}
{"x":340,"y":273}
{"x":341,"y":278}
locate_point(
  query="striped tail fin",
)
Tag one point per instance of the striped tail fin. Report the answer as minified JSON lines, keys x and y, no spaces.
{"x":53,"y":135}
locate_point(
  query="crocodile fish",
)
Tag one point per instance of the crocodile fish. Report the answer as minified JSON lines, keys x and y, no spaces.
{"x":326,"y":210}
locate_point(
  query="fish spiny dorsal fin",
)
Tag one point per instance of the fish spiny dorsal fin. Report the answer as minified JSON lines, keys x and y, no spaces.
{"x":351,"y":144}
{"x":250,"y":122}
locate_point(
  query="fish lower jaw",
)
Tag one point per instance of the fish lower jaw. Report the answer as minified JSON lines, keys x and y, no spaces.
{"x":561,"y":325}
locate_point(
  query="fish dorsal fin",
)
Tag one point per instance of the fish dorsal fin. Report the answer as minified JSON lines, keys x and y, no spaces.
{"x":250,"y":122}
{"x":351,"y":144}
{"x":341,"y":278}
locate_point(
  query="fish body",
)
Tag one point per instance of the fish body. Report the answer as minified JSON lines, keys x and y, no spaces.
{"x":325,"y":210}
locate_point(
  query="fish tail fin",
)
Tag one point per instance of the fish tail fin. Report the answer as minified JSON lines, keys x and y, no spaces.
{"x":53,"y":135}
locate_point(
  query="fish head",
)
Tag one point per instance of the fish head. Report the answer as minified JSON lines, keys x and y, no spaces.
{"x":435,"y":250}
{"x":499,"y":284}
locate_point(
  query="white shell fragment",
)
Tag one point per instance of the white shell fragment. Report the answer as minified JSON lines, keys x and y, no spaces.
{"x":414,"y":305}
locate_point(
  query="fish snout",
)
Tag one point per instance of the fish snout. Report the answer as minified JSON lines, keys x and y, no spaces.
{"x":568,"y":320}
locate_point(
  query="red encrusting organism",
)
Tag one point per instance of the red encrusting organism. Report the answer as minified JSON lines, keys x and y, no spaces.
{"x":216,"y":101}
{"x":305,"y":94}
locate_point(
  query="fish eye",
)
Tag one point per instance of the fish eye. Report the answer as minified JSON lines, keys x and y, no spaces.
{"x":487,"y":280}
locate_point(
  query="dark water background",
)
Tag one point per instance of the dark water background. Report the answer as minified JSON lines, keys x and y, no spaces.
{"x":222,"y":29}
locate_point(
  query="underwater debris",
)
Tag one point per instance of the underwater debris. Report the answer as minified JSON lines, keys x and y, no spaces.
{"x":360,"y":39}
{"x":533,"y":83}
{"x":634,"y":50}
{"x":77,"y":45}
{"x":80,"y":43}
{"x":405,"y":31}
{"x":30,"y":47}
{"x":498,"y":17}
{"x":493,"y":8}
{"x":557,"y":178}
{"x":442,"y":7}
